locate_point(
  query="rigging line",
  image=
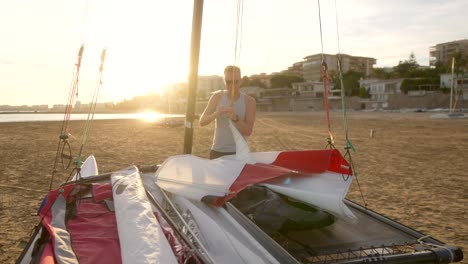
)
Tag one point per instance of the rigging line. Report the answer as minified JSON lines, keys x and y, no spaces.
{"x":238,"y":39}
{"x":63,"y":137}
{"x":348,"y":144}
{"x":72,"y":94}
{"x":92,"y":111}
{"x":320,"y":23}
{"x":326,"y":82}
{"x":343,"y":94}
{"x":83,"y":22}
{"x":240,"y":12}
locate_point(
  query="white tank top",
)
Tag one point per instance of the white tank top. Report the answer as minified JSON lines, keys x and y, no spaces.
{"x":223,"y":140}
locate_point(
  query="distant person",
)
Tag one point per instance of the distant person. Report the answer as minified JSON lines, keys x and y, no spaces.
{"x":225,"y":105}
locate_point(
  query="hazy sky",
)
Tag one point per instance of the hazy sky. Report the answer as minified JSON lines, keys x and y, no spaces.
{"x":148,"y":41}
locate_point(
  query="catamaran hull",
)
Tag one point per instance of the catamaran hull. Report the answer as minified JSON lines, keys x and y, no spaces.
{"x":223,"y":234}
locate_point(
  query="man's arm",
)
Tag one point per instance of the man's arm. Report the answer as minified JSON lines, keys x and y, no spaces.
{"x":210,"y":113}
{"x":246,"y":126}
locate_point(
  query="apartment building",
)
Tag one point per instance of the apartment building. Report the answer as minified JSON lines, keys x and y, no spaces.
{"x":444,"y":52}
{"x":312,"y":63}
{"x":209,"y":84}
{"x":379,"y":91}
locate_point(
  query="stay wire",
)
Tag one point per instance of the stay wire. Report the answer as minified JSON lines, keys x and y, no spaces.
{"x":72,"y":94}
{"x":348,"y":144}
{"x":239,"y":28}
{"x":238,"y":43}
{"x":64,"y":134}
{"x":343,"y":94}
{"x":91,"y":112}
{"x":326,"y":82}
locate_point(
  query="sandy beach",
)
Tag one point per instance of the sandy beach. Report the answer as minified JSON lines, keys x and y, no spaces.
{"x":414,"y":169}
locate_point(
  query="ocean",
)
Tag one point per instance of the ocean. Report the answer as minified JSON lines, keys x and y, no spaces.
{"x":34,"y":117}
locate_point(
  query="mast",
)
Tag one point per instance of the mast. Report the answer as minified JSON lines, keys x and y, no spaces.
{"x":193,"y":74}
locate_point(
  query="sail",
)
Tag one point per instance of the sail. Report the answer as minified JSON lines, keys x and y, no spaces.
{"x":242,"y":148}
{"x":141,"y":237}
{"x":317,"y":177}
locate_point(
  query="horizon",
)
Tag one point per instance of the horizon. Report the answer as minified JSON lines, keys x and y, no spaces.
{"x":148,"y":43}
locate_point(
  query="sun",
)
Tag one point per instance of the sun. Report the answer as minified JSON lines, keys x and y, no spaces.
{"x":144,"y":53}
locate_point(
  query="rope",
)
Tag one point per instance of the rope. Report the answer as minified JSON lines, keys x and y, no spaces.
{"x":425,"y":244}
{"x":343,"y":94}
{"x":63,"y":143}
{"x":239,"y":18}
{"x":348,"y":144}
{"x":91,"y":112}
{"x":238,"y":44}
{"x":326,"y":82}
{"x":64,"y":133}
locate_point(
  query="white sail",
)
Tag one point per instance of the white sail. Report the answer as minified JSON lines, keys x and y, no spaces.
{"x":141,"y":237}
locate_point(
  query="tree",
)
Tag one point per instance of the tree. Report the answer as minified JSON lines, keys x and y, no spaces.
{"x":460,"y":63}
{"x":363,"y":93}
{"x":350,"y":82}
{"x":281,"y":80}
{"x":407,"y":68}
{"x":257,"y":82}
{"x":380,"y":73}
{"x":245,"y":81}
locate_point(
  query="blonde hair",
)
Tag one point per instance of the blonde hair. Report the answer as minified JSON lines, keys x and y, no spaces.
{"x":232,"y":69}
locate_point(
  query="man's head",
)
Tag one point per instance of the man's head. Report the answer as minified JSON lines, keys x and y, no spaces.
{"x":232,"y":77}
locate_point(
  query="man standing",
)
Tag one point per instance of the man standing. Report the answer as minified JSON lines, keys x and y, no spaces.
{"x":225,"y":105}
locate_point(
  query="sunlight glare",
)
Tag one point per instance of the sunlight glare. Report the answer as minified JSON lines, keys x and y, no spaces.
{"x":150,"y":116}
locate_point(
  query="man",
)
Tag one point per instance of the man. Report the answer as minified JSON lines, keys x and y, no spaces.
{"x":229,"y":105}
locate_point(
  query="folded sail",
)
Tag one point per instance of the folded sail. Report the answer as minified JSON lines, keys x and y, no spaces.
{"x":318,"y":177}
{"x":141,"y":237}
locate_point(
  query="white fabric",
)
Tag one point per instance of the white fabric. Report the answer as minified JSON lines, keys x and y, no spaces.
{"x":325,"y":190}
{"x":223,"y":140}
{"x":225,"y":240}
{"x":140,"y":235}
{"x":194,"y":177}
{"x":88,"y":168}
{"x":242,"y":148}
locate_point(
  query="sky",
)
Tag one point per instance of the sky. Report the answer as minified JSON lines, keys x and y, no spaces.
{"x":148,"y":41}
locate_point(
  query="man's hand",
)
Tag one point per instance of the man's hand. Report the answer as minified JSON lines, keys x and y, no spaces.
{"x":229,"y":112}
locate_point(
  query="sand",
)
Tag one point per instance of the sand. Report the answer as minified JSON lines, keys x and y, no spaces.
{"x":414,"y":169}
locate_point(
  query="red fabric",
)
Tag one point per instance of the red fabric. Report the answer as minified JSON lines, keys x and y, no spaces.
{"x":102,"y":191}
{"x":288,"y":162}
{"x":252,"y":174}
{"x":94,"y":234}
{"x":47,"y":256}
{"x":313,"y":161}
{"x":93,"y":231}
{"x":180,"y":249}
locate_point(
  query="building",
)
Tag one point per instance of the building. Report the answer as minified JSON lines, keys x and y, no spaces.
{"x":208,"y":84}
{"x":312,"y":63}
{"x":460,"y":84}
{"x":314,"y":89}
{"x":297,"y":69}
{"x":379,"y":91}
{"x":263,"y":78}
{"x":444,"y":52}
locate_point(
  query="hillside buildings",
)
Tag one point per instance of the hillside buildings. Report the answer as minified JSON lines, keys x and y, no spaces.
{"x":444,"y":52}
{"x":312,"y":63}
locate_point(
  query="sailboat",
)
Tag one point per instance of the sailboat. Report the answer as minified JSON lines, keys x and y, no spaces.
{"x":454,"y":95}
{"x":192,"y":210}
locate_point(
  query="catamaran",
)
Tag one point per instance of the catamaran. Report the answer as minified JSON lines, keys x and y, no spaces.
{"x":264,"y":207}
